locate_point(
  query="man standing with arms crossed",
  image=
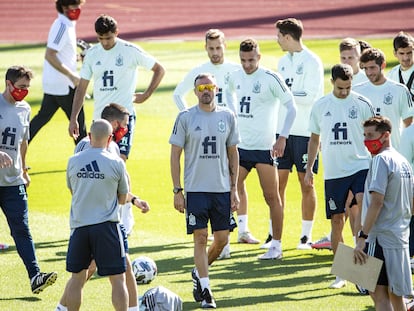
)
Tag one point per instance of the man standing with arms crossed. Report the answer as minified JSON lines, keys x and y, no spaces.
{"x":302,"y":71}
{"x":386,"y":214}
{"x":259,"y":93}
{"x":113,"y":65}
{"x":336,"y":126}
{"x":208,"y":134}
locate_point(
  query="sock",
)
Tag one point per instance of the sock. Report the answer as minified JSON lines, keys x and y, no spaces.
{"x":270,"y":227}
{"x":242,"y":223}
{"x":205,"y":283}
{"x":329,"y":236}
{"x":307,"y":229}
{"x":61,"y":308}
{"x":133,"y":308}
{"x":276,"y":243}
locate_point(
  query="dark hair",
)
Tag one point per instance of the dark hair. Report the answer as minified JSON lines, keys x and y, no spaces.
{"x":403,"y":40}
{"x":15,"y":73}
{"x":204,"y":75}
{"x":113,"y":112}
{"x":382,"y":124}
{"x":364,"y":45}
{"x":342,"y":71}
{"x":61,"y":3}
{"x":249,"y":45}
{"x":105,"y":24}
{"x":290,"y":26}
{"x":373,"y":54}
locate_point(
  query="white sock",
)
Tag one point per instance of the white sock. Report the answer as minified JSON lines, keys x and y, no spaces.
{"x":61,"y":308}
{"x":276,"y":243}
{"x":242,"y":223}
{"x":270,"y":227}
{"x":307,"y":229}
{"x":329,"y":236}
{"x":133,"y":308}
{"x":205,"y":283}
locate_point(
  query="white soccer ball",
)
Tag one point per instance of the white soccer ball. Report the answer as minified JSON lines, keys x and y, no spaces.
{"x":144,"y":269}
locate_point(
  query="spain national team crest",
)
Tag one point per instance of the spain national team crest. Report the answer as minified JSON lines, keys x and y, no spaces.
{"x":299,"y":69}
{"x":388,"y":99}
{"x":257,"y":87}
{"x":119,"y":60}
{"x":353,"y":113}
{"x":221,"y":126}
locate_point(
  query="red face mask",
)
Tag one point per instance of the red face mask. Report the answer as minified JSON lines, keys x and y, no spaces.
{"x":374,"y":145}
{"x":19,"y":94}
{"x":73,"y":15}
{"x":119,"y":133}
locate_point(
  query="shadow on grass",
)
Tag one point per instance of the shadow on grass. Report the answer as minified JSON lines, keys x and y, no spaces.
{"x":30,"y":299}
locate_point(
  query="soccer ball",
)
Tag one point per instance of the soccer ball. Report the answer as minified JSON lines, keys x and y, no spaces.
{"x":144,"y":269}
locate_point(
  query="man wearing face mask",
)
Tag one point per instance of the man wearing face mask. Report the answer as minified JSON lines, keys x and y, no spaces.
{"x":60,"y":77}
{"x":14,"y":177}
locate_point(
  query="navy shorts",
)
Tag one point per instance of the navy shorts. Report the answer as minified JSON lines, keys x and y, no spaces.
{"x":125,"y":143}
{"x":376,"y":251}
{"x":296,"y":153}
{"x":103,"y":242}
{"x":336,"y":191}
{"x":204,"y":206}
{"x":249,"y":158}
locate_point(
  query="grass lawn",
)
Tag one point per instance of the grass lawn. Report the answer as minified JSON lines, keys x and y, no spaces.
{"x":298,"y":282}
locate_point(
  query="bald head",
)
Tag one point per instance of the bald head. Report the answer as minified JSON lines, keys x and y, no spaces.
{"x":101,"y":131}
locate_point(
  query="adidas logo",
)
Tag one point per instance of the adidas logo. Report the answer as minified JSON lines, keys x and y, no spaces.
{"x":98,"y":63}
{"x":197,"y":129}
{"x":91,"y":171}
{"x":328,"y":114}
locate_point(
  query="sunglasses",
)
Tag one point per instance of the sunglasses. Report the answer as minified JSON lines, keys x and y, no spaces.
{"x":202,"y":87}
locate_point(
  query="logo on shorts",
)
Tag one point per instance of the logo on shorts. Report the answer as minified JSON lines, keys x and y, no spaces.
{"x":191,"y":220}
{"x":332,"y":205}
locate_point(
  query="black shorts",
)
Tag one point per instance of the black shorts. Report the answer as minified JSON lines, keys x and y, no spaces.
{"x":204,"y":206}
{"x":249,"y":158}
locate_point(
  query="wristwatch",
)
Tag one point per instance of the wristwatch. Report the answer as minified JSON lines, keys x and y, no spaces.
{"x":177,"y":190}
{"x":362,"y":235}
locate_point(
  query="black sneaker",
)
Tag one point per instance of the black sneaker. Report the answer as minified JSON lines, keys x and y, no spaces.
{"x":361,"y":290}
{"x":197,"y":294}
{"x":42,"y":280}
{"x":208,"y":300}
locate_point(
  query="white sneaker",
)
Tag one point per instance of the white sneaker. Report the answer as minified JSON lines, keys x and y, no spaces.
{"x":3,"y":246}
{"x":211,"y":237}
{"x":338,"y":283}
{"x":267,"y":243}
{"x":225,"y":253}
{"x":247,"y":237}
{"x":304,"y":243}
{"x":272,"y":253}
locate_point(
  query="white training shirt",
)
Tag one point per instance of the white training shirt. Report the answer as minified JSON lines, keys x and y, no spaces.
{"x":259,"y":96}
{"x":407,"y":144}
{"x":115,"y":74}
{"x":390,"y":99}
{"x":221,"y":73}
{"x":303,"y":73}
{"x":62,"y":38}
{"x":359,"y":77}
{"x":339,"y":124}
{"x":395,"y":72}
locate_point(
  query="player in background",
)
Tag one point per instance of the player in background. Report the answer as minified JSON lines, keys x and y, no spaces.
{"x":94,"y":219}
{"x":336,"y":127}
{"x":208,"y":135}
{"x":386,"y":214}
{"x":218,"y":66}
{"x":113,"y":64}
{"x":349,"y":53}
{"x":302,"y":71}
{"x":259,"y":92}
{"x":118,"y":117}
{"x":60,"y":76}
{"x":14,"y":176}
{"x":389,"y":98}
{"x":403,"y":44}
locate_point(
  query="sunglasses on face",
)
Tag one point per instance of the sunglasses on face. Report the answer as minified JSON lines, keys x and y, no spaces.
{"x":202,"y":87}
